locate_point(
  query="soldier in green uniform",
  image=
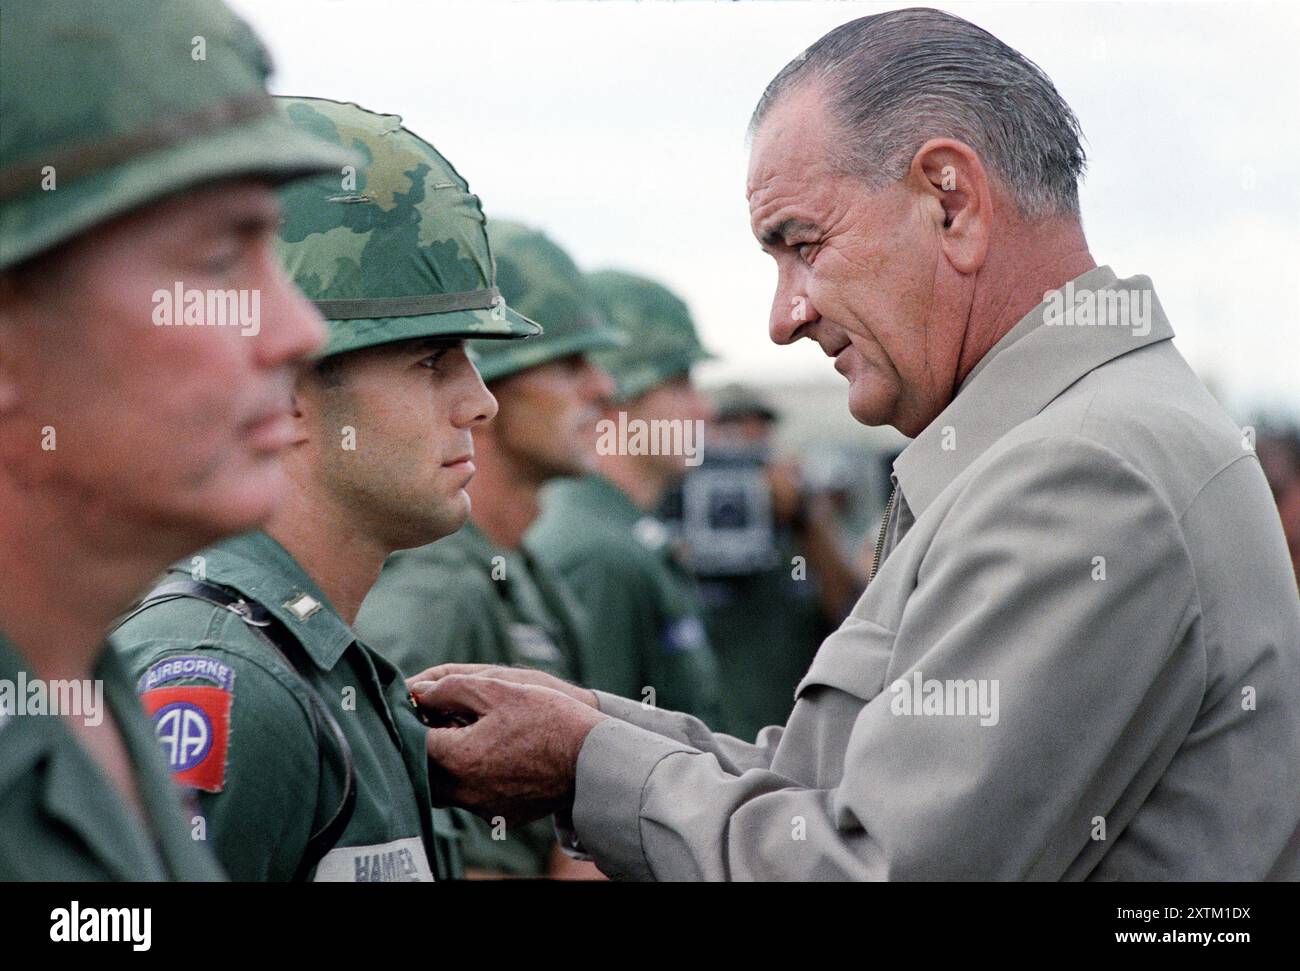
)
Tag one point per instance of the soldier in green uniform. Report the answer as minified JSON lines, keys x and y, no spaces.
{"x":599,"y":533}
{"x":766,"y":622}
{"x":480,"y":596}
{"x":300,"y":740}
{"x":139,"y":148}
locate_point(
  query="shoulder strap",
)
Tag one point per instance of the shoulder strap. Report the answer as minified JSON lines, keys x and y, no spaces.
{"x":287,"y":647}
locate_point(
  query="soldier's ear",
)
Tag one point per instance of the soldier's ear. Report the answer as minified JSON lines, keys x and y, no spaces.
{"x":951,"y":175}
{"x":305,"y":405}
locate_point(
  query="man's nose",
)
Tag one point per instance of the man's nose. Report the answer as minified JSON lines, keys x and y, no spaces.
{"x":595,"y":382}
{"x":701,"y":407}
{"x":293,"y":329}
{"x":474,"y":403}
{"x":791,"y":309}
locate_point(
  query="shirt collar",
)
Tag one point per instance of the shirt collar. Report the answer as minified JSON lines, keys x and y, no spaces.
{"x":263,"y":570}
{"x":21,"y":748}
{"x":474,"y":544}
{"x":86,"y":802}
{"x":1023,"y":372}
{"x":600,"y":499}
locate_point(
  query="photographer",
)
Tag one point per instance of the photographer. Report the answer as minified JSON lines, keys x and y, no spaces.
{"x":764,"y":548}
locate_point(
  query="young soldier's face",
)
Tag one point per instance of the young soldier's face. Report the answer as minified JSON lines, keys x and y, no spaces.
{"x":158,"y":417}
{"x":391,"y":436}
{"x":547,"y":423}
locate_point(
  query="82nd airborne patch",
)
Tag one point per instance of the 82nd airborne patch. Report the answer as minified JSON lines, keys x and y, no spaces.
{"x":192,"y":721}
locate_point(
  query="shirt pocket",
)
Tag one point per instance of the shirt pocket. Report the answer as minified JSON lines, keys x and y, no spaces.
{"x":854,"y":660}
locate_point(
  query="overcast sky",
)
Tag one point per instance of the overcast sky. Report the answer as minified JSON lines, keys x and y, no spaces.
{"x":619,"y":129}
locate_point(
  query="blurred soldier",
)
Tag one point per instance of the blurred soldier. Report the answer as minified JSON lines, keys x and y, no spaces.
{"x":765,"y":620}
{"x":127,"y":163}
{"x":301,"y":740}
{"x":598,"y":531}
{"x":479,"y":596}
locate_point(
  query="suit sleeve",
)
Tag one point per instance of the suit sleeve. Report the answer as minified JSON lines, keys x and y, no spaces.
{"x":1098,"y":673}
{"x":733,"y":754}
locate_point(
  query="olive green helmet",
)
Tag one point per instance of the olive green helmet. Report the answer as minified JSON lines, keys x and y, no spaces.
{"x":741,"y":401}
{"x":539,"y":279}
{"x":662,"y":342}
{"x":112,"y":104}
{"x":395,"y":249}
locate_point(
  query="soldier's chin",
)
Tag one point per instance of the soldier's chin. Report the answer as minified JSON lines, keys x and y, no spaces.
{"x":236,"y":502}
{"x":451,"y":514}
{"x":262,"y":490}
{"x":405,"y":530}
{"x":580,"y":462}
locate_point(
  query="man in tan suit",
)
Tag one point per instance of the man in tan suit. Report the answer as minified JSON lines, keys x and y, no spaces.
{"x":1080,"y":654}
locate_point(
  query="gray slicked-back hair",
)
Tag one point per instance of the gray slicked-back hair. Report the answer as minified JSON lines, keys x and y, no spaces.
{"x":895,"y":80}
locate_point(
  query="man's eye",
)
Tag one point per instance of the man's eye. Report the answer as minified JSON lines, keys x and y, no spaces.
{"x":220,"y":260}
{"x":806,"y":251}
{"x":435,"y":358}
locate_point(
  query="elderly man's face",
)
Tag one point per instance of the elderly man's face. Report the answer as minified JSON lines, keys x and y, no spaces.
{"x":179,"y":431}
{"x":861,"y":273}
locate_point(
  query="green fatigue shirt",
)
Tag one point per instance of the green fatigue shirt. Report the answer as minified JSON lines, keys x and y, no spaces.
{"x":237,"y":723}
{"x":466,"y":600}
{"x":765,"y":628}
{"x":649,"y":641}
{"x":60,"y":816}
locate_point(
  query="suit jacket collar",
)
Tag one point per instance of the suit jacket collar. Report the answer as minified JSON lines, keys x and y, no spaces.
{"x":1049,"y":349}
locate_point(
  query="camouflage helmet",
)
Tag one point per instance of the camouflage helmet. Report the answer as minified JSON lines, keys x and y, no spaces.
{"x":539,"y":279}
{"x":735,"y":400}
{"x":395,"y":249}
{"x":662,"y":340}
{"x":112,"y":104}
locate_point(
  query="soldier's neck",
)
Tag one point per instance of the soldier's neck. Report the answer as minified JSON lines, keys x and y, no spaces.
{"x":643,"y":482}
{"x":68,"y":572}
{"x":333,"y":547}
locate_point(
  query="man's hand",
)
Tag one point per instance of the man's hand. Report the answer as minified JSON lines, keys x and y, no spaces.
{"x":515,"y":675}
{"x":518,"y":759}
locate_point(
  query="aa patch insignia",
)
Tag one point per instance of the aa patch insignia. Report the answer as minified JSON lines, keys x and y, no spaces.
{"x":193,"y":727}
